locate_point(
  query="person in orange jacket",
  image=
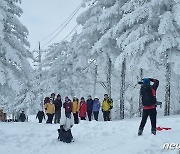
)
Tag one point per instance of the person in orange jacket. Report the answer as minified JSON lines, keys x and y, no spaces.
{"x":75,"y":109}
{"x":83,"y":109}
{"x":50,"y":110}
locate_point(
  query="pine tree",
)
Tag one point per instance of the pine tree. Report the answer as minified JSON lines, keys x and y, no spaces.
{"x":15,"y":68}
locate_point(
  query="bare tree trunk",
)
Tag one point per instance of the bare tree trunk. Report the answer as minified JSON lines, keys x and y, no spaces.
{"x":95,"y":80}
{"x":109,"y":77}
{"x":168,"y":88}
{"x":122,"y":89}
{"x":140,"y":96}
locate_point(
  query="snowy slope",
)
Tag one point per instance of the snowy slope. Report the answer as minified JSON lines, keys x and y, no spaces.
{"x":115,"y":137}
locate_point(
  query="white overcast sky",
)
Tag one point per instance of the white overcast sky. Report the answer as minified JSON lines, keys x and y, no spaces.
{"x":42,"y":17}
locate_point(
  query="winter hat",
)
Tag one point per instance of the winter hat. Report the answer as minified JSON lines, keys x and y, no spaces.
{"x":146,"y":81}
{"x":96,"y":97}
{"x":53,"y":94}
{"x":82,"y":98}
{"x":66,"y":97}
{"x":58,"y":95}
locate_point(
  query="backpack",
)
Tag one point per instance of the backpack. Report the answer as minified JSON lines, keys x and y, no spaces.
{"x":147,"y":96}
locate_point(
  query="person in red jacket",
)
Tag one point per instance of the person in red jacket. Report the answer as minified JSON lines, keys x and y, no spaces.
{"x":148,"y":93}
{"x":68,"y":107}
{"x":83,"y":109}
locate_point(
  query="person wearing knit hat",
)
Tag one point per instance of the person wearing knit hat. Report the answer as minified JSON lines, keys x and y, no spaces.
{"x":58,"y":105}
{"x":67,"y":106}
{"x":89,"y":103}
{"x":148,"y":94}
{"x":96,"y":107}
{"x":75,"y":109}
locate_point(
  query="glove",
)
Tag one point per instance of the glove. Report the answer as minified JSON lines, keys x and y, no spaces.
{"x":102,"y":110}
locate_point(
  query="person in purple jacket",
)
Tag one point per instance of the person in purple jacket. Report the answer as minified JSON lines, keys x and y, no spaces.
{"x":96,"y":108}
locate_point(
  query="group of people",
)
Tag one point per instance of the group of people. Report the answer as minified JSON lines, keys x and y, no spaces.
{"x":79,"y":108}
{"x":86,"y":108}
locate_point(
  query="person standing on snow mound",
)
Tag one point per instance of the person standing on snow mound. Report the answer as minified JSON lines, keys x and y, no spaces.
{"x":107,"y":105}
{"x":148,"y":94}
{"x":64,"y":132}
{"x":58,"y":105}
{"x":67,"y":106}
{"x":83,"y":109}
{"x":96,"y":108}
{"x":89,"y":103}
{"x":50,"y":110}
{"x":75,"y":109}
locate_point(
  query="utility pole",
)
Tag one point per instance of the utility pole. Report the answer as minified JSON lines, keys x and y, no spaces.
{"x":122,"y":88}
{"x":168,"y":85}
{"x":140,"y":96}
{"x":39,"y":60}
{"x":95,"y":81}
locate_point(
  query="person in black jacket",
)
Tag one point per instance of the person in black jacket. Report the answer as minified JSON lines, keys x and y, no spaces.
{"x":58,"y":105}
{"x":22,"y":117}
{"x":148,"y":93}
{"x":40,"y":115}
{"x":89,"y":103}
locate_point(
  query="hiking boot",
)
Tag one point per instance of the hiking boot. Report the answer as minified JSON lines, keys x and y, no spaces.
{"x":140,"y":131}
{"x":153,"y":131}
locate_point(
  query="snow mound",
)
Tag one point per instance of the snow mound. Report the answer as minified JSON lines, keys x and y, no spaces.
{"x":115,"y":137}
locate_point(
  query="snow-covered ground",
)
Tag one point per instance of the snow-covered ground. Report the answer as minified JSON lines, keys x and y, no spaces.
{"x":114,"y":137}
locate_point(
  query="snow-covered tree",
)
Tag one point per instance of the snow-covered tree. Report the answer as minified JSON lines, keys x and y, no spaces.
{"x":15,"y":70}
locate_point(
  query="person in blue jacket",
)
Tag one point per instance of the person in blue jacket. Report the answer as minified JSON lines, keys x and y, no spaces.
{"x":89,"y":104}
{"x":96,"y":108}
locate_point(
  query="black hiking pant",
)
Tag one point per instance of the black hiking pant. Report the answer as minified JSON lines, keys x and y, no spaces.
{"x":50,"y":118}
{"x":96,"y":114}
{"x":106,"y":115}
{"x":57,"y":116}
{"x":89,"y":113}
{"x":83,"y":118}
{"x":76,"y":119}
{"x":152,"y":113}
{"x":68,"y":114}
{"x":40,"y":120}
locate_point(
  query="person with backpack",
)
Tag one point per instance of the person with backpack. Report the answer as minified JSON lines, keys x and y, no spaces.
{"x":107,"y":105}
{"x":40,"y":115}
{"x":67,"y":106}
{"x":50,"y":110}
{"x":75,"y":109}
{"x":22,"y":117}
{"x":83,"y":109}
{"x":58,"y":105}
{"x":64,"y":132}
{"x":89,"y":103}
{"x":96,"y":108}
{"x":148,"y":94}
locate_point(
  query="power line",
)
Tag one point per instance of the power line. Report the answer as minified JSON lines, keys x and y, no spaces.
{"x":62,"y":27}
{"x":62,"y":23}
{"x":68,"y":38}
{"x":70,"y":32}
